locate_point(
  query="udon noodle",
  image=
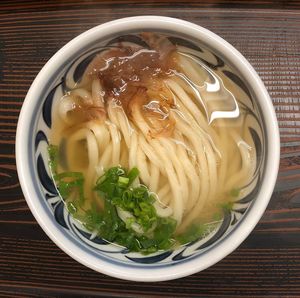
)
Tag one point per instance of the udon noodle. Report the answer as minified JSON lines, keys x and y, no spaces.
{"x":163,"y":110}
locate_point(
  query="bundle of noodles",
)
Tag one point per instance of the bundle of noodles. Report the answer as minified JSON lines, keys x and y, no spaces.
{"x":167,"y":114}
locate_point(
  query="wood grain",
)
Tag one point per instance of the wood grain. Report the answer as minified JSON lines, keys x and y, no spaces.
{"x":267,"y":264}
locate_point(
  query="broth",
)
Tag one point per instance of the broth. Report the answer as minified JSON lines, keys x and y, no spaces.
{"x":181,"y":125}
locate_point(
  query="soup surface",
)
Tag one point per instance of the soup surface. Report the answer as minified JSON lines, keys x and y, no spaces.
{"x":152,"y":144}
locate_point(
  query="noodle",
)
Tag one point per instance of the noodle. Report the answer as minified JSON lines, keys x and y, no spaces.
{"x":168,"y":124}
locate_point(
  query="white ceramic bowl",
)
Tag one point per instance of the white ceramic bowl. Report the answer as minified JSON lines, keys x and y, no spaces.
{"x":41,"y":195}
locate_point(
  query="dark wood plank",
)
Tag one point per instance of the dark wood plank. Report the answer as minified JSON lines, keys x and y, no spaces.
{"x":267,"y":264}
{"x":24,"y":6}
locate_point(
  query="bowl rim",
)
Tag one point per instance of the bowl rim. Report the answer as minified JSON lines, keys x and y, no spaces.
{"x":236,"y":237}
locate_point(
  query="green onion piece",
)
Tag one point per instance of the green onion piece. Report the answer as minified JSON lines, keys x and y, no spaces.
{"x":71,"y":208}
{"x":132,"y":175}
{"x":115,"y":188}
{"x":53,"y":158}
{"x":63,"y":175}
{"x":227,"y":206}
{"x":123,"y":181}
{"x":194,"y":232}
{"x":69,"y":183}
{"x":235,"y":192}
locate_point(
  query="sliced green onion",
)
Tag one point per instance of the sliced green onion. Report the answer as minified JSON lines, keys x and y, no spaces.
{"x":235,"y":192}
{"x":123,"y":181}
{"x":132,"y":175}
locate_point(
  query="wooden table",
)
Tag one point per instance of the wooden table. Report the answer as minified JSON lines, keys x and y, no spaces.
{"x":268,"y":34}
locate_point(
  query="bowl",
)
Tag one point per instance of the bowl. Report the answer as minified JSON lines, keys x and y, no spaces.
{"x":35,"y":121}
